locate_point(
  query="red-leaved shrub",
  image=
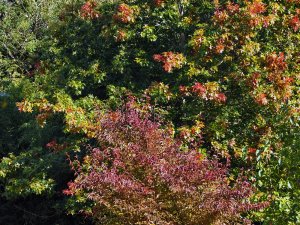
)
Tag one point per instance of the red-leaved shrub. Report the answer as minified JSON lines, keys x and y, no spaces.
{"x":139,"y":175}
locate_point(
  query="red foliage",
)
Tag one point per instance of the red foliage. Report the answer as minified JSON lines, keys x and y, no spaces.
{"x":220,"y":48}
{"x":159,"y":3}
{"x":69,"y":191}
{"x":254,"y":80}
{"x":220,"y":97}
{"x":125,"y":14}
{"x":170,"y":60}
{"x":54,"y":146}
{"x":51,"y":144}
{"x":199,"y":89}
{"x":183,"y":89}
{"x":257,"y":7}
{"x":276,"y":62}
{"x":279,"y":80}
{"x":121,"y":35}
{"x":220,"y":16}
{"x":251,"y":151}
{"x":42,"y":117}
{"x":255,"y":22}
{"x":87,"y":11}
{"x":295,"y":23}
{"x":251,"y":154}
{"x":140,"y":175}
{"x":261,"y":99}
{"x":293,"y":1}
{"x":266,"y":21}
{"x":232,"y":8}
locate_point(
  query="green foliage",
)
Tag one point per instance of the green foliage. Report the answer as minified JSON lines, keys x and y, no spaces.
{"x":16,"y":173}
{"x":225,"y":75}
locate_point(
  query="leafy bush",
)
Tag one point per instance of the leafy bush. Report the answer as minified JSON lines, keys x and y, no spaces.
{"x":139,"y":175}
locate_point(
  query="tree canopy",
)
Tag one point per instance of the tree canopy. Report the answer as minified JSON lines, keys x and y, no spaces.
{"x":171,"y":102}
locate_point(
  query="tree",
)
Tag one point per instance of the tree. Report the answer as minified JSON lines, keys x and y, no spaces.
{"x":229,"y":69}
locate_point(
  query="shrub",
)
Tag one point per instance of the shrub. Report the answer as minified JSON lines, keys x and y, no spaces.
{"x":139,"y":175}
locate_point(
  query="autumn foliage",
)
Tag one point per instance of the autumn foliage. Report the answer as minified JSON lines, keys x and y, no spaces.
{"x":213,"y":133}
{"x":170,"y":60}
{"x":140,"y":176}
{"x":88,"y":11}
